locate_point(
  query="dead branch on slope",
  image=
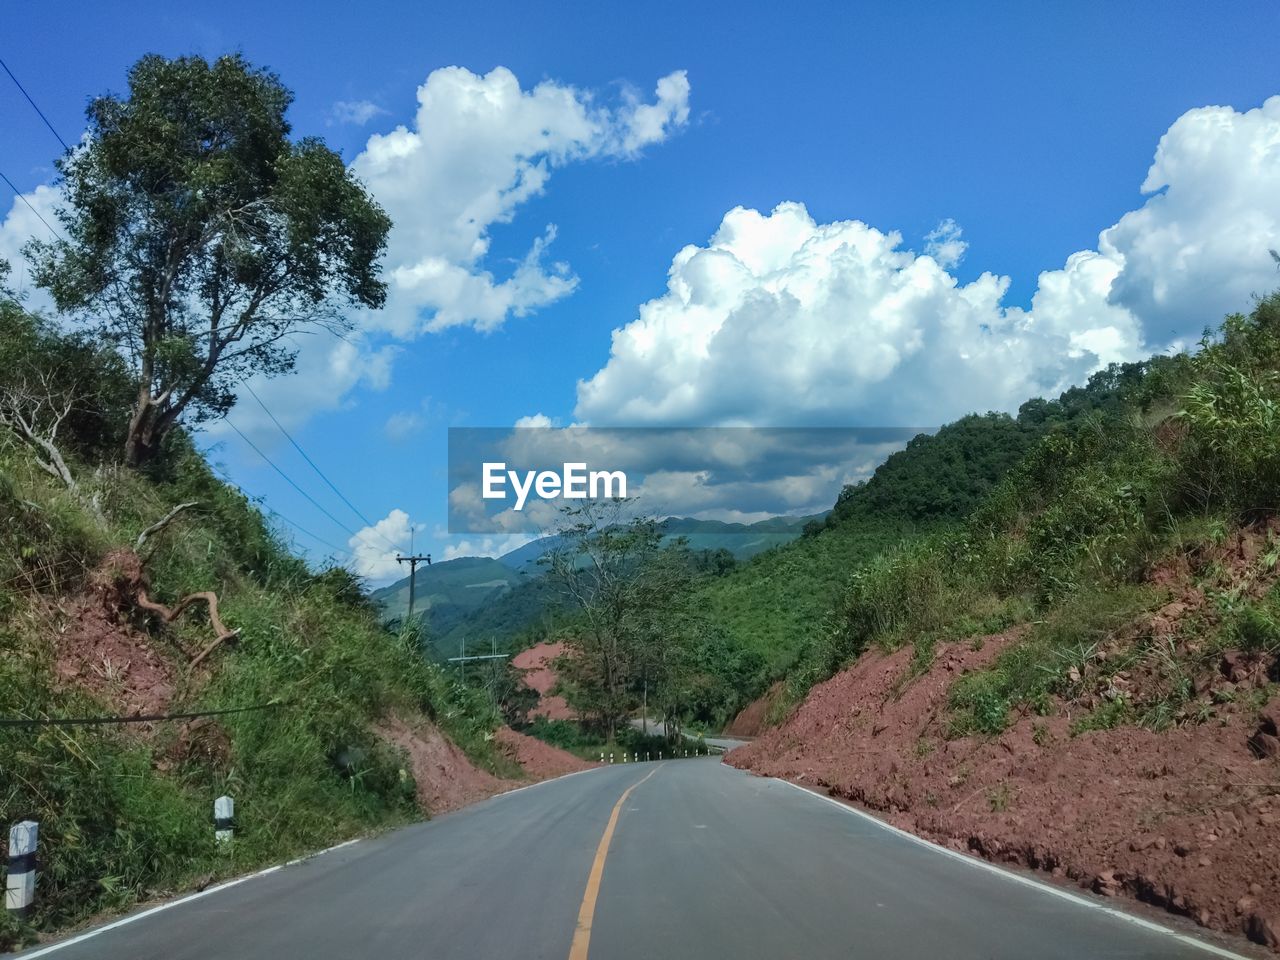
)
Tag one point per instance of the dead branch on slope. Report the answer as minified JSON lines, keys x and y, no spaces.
{"x":169,"y":614}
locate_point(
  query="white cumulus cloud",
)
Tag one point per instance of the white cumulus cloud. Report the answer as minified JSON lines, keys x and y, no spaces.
{"x":480,"y":146}
{"x":780,"y":319}
{"x":355,"y":112}
{"x":22,"y":224}
{"x":477,"y":148}
{"x":374,"y":549}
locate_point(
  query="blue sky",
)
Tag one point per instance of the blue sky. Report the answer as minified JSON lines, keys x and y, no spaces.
{"x":1031,"y":126}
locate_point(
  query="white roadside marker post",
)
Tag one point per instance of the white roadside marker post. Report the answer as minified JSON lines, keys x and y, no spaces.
{"x":602,"y":756}
{"x":20,"y":889}
{"x":224,"y":813}
{"x":611,"y":758}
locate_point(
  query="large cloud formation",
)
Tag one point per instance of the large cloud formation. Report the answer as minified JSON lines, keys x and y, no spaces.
{"x":478,"y":148}
{"x":783,"y":320}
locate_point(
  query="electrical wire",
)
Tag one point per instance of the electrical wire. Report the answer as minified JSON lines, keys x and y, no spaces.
{"x":289,"y":480}
{"x":34,"y":107}
{"x":134,"y":718}
{"x":320,"y":473}
{"x":342,"y":551}
{"x":23,"y":197}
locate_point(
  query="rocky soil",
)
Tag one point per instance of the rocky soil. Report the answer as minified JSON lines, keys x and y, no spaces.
{"x":539,"y":760}
{"x":540,"y":675}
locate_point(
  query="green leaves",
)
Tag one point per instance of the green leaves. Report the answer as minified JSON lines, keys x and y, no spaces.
{"x":200,"y":237}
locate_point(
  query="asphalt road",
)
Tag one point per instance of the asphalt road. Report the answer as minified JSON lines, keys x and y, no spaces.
{"x":698,"y":861}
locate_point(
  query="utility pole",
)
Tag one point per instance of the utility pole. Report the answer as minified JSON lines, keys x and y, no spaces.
{"x":463,"y":660}
{"x":413,"y":562}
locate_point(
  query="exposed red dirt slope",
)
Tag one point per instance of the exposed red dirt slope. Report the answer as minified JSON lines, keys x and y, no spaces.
{"x":539,"y":675}
{"x":445,"y":778}
{"x":97,"y":648}
{"x":1187,"y":819}
{"x":540,"y":760}
{"x":752,"y":720}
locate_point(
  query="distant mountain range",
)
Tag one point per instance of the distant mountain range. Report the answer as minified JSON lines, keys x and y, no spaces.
{"x":482,"y":597}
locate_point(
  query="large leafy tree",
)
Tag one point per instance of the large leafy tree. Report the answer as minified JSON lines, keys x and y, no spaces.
{"x":624,"y":586}
{"x":200,"y":238}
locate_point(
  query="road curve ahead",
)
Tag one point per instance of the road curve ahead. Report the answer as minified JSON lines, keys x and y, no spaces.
{"x":674,"y":860}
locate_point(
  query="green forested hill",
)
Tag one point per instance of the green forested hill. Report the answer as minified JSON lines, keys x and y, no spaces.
{"x":773,"y":604}
{"x":480,"y":598}
{"x":1171,"y":486}
{"x":447,"y":591}
{"x":88,"y":629}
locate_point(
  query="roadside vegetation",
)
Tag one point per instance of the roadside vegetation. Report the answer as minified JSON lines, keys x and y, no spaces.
{"x":1107,"y":517}
{"x":195,"y":237}
{"x":586,"y":743}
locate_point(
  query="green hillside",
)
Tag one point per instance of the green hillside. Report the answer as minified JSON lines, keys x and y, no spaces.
{"x":446,"y":592}
{"x":479,"y":598}
{"x":86,"y":598}
{"x":774,"y":603}
{"x":1086,"y":536}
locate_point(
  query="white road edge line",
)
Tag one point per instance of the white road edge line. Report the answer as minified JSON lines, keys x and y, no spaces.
{"x":216,"y":888}
{"x":538,"y":783}
{"x":151,"y":911}
{"x":1019,"y":878}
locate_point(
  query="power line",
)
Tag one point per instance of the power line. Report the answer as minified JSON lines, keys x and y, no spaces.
{"x":303,"y":530}
{"x":289,"y":480}
{"x":34,"y":107}
{"x":343,"y":551}
{"x":134,"y":718}
{"x":320,"y":473}
{"x":23,"y":197}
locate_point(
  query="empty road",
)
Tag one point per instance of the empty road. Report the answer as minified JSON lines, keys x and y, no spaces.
{"x":680,"y":859}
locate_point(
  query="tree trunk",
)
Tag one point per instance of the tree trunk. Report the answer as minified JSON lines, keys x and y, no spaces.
{"x":142,"y":443}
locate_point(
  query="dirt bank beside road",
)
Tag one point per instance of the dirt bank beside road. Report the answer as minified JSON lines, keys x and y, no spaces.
{"x":1187,"y":819}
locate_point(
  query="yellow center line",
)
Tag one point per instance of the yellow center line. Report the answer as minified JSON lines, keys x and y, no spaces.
{"x":582,"y":934}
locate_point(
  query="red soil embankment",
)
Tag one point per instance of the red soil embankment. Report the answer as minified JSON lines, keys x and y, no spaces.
{"x":540,"y":760}
{"x":447,"y":780}
{"x":540,"y":675}
{"x":97,"y":648}
{"x":1188,"y":819}
{"x":753,"y":719}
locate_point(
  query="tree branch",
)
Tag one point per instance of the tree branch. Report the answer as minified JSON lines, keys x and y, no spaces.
{"x":163,"y":522}
{"x":169,"y":614}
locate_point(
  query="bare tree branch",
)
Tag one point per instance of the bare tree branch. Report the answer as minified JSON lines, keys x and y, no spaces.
{"x":169,"y":614}
{"x":33,"y":413}
{"x":163,"y":522}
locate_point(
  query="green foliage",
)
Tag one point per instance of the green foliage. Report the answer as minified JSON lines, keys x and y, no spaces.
{"x":1041,"y":663}
{"x":1255,"y":627}
{"x":1231,"y":416}
{"x":1106,"y":480}
{"x":769,"y":604}
{"x":50,"y":375}
{"x":125,"y":811}
{"x":589,"y":744}
{"x":200,"y":237}
{"x":889,"y":563}
{"x":637,"y":635}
